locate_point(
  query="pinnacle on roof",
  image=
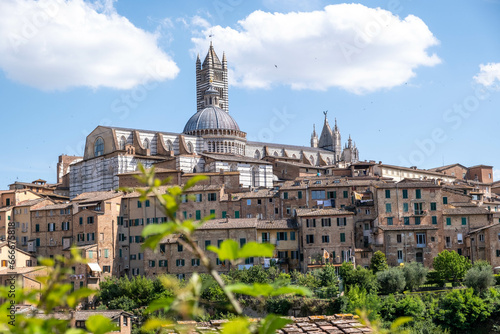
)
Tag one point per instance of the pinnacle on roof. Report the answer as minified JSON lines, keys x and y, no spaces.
{"x":211,"y":58}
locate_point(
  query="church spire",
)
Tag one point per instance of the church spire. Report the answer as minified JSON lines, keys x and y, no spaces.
{"x":314,"y":137}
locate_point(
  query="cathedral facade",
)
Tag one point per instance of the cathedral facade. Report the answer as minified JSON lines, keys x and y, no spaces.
{"x":211,"y":141}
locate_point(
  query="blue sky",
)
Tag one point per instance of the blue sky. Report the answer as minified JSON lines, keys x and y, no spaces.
{"x":412,"y":82}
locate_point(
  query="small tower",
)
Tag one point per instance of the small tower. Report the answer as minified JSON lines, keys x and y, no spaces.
{"x":212,"y":68}
{"x":337,"y":142}
{"x":314,"y":137}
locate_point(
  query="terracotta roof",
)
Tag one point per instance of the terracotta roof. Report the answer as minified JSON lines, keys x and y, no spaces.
{"x":54,"y":206}
{"x":321,"y":212}
{"x":406,"y":227}
{"x":402,"y":185}
{"x":96,"y":196}
{"x":319,"y":324}
{"x":157,"y":170}
{"x":32,"y":202}
{"x":438,"y":169}
{"x":83,"y":315}
{"x":23,"y":270}
{"x":279,"y":224}
{"x":234,"y":223}
{"x":465,"y":211}
{"x":6,"y":208}
{"x":416,"y":170}
{"x":254,"y":194}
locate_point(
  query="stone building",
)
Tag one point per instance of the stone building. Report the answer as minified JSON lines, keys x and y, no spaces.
{"x":325,"y":234}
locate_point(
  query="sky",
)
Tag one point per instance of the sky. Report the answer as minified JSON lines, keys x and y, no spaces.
{"x":414,"y":83}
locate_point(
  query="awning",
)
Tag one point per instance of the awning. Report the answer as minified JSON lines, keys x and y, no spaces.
{"x":94,"y":266}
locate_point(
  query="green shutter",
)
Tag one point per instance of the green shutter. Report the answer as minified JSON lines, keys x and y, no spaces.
{"x":198,"y":214}
{"x":434,"y":220}
{"x":342,"y":237}
{"x":224,"y":214}
{"x":236,"y":214}
{"x":448,"y":221}
{"x":464,"y":220}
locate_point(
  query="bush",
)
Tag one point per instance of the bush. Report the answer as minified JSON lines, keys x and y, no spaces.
{"x":358,"y":298}
{"x":480,"y":278}
{"x":279,"y":305}
{"x":391,"y":280}
{"x":451,"y":266}
{"x":497,"y":279}
{"x":415,"y":275}
{"x":434,"y":277}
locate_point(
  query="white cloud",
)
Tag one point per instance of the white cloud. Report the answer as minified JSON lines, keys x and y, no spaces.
{"x":489,"y":75}
{"x":350,"y":46}
{"x":57,"y":44}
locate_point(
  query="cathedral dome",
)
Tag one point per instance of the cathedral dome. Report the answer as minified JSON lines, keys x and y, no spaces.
{"x":212,"y":117}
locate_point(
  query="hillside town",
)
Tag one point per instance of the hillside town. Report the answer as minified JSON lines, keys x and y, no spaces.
{"x":318,"y":204}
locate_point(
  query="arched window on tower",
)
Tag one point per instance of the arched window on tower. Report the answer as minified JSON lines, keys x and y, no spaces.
{"x":145,"y":143}
{"x":311,"y":158}
{"x":99,"y":147}
{"x":257,"y":154}
{"x":170,"y":146}
{"x":255,"y":176}
{"x":123,"y":142}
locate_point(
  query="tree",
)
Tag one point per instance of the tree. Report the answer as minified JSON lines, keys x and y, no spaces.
{"x":460,"y":310}
{"x":415,"y":275}
{"x":391,"y":280}
{"x":480,"y":278}
{"x":361,"y":277}
{"x":378,"y":262}
{"x":451,"y":266}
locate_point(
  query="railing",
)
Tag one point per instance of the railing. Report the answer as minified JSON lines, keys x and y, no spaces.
{"x":419,"y":212}
{"x":421,"y":245}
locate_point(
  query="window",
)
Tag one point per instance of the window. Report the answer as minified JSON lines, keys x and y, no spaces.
{"x":460,"y":238}
{"x":299,"y":194}
{"x":294,"y":255}
{"x":37,"y":228}
{"x":265,"y":237}
{"x":81,"y":220}
{"x":309,"y":238}
{"x":311,"y":222}
{"x":236,"y":214}
{"x":387,"y":193}
{"x":285,"y":195}
{"x":139,"y":204}
{"x":195,"y":262}
{"x":152,"y":263}
{"x":90,"y":220}
{"x":91,"y":254}
{"x":388,"y":207}
{"x":420,"y":239}
{"x":418,"y":193}
{"x":464,"y":220}
{"x":389,"y":220}
{"x":406,"y":220}
{"x":162,"y":263}
{"x":180,"y":262}
{"x":481,"y":237}
{"x":342,"y":237}
{"x":243,"y":241}
{"x":65,"y":226}
{"x":400,"y":255}
{"x":399,"y":238}
{"x":448,"y":221}
{"x":180,"y":248}
{"x":207,"y":243}
{"x":212,"y":197}
{"x":405,"y":207}
{"x":346,"y":194}
{"x":325,"y":238}
{"x":434,"y":220}
{"x":292,"y":235}
{"x":106,"y":253}
{"x":366,"y":227}
{"x":212,"y":212}
{"x":147,"y":203}
{"x":220,"y":263}
{"x":51,"y":227}
{"x":433,"y":206}
{"x":417,"y":220}
{"x":405,"y":193}
{"x":198,"y":214}
{"x":224,"y":214}
{"x":341,"y":221}
{"x":318,"y":194}
{"x":326,"y":222}
{"x":99,"y":147}
{"x":281,"y":236}
{"x":445,"y":200}
{"x":331,"y":194}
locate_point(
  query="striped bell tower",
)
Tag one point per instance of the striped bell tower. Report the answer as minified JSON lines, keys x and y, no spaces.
{"x":212,"y":68}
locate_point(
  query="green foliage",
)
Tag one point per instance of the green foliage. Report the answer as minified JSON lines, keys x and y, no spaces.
{"x":391,"y":280}
{"x":497,"y":279}
{"x":361,"y":277}
{"x":434,"y":277}
{"x":378,"y":262}
{"x":308,"y":280}
{"x":451,"y":266}
{"x":358,"y":298}
{"x":99,"y":324}
{"x":460,"y":310}
{"x":229,"y":250}
{"x":479,"y":277}
{"x":415,"y":275}
{"x":327,"y":276}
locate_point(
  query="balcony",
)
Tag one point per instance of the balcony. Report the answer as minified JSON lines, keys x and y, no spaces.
{"x":419,"y":212}
{"x":367,"y":202}
{"x":421,"y":245}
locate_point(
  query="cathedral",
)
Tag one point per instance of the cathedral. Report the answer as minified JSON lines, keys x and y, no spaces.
{"x":211,"y":141}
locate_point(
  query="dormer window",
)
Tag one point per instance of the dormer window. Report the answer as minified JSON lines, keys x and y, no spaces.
{"x":99,"y":147}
